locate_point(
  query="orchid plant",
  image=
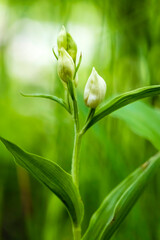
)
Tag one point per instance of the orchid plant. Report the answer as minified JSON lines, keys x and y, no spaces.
{"x":118,"y":203}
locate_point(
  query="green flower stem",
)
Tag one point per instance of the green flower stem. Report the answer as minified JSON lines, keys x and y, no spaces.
{"x":75,"y":175}
{"x":77,"y":233}
{"x":89,"y":118}
{"x":77,"y":141}
{"x":90,"y":115}
{"x":68,"y":101}
{"x":76,"y":115}
{"x":76,"y":150}
{"x":75,"y":159}
{"x":71,"y":89}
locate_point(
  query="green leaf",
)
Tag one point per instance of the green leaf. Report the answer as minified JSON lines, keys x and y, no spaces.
{"x":52,"y":176}
{"x":51,"y":97}
{"x":78,"y":65}
{"x":54,"y":53}
{"x":121,"y":101}
{"x":119,"y":202}
{"x":143,"y":120}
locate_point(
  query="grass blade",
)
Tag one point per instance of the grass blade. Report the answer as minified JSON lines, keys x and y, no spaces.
{"x":119,"y":202}
{"x":121,"y":101}
{"x":52,"y":176}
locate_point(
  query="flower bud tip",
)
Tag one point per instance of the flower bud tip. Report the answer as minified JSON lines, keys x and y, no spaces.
{"x":66,"y":67}
{"x":95,"y":90}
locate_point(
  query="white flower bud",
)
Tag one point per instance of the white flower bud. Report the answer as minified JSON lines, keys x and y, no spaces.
{"x":66,"y":67}
{"x":62,"y":39}
{"x":95,"y":90}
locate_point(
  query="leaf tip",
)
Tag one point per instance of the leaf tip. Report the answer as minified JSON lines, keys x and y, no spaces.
{"x":22,"y":94}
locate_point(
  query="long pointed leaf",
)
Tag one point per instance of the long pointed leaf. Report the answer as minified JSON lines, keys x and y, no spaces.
{"x":143,"y":120}
{"x":121,"y":101}
{"x":51,"y":97}
{"x":52,"y":176}
{"x":119,"y":202}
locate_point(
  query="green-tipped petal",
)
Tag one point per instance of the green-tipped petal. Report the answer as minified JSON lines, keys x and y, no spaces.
{"x":66,"y":67}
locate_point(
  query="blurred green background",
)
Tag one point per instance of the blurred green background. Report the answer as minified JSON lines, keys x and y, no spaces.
{"x":122,"y":40}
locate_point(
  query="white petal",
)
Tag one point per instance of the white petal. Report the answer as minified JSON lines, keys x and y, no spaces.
{"x":95,"y":90}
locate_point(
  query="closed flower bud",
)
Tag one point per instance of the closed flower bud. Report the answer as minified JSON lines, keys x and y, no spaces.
{"x":66,"y":41}
{"x":95,"y":90}
{"x":71,"y":47}
{"x":62,"y":39}
{"x":66,"y":67}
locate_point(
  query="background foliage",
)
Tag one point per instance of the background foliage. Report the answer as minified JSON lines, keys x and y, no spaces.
{"x":122,"y":40}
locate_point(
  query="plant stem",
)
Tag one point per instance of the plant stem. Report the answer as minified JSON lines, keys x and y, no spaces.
{"x":68,"y":101}
{"x":75,"y":160}
{"x":76,"y":117}
{"x":91,"y":114}
{"x":75,"y":174}
{"x":76,"y":149}
{"x":77,"y":143}
{"x":71,"y":89}
{"x":77,"y":233}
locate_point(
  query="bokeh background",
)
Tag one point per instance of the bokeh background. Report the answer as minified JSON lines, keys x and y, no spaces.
{"x":122,"y":40}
